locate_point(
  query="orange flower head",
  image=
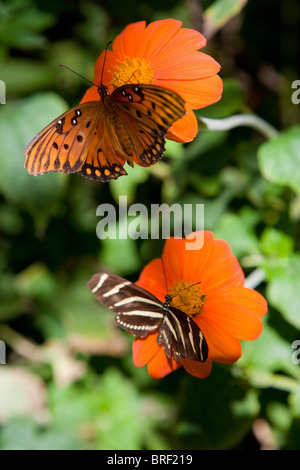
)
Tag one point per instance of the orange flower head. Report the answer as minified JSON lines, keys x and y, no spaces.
{"x":164,"y":54}
{"x":208,"y":285}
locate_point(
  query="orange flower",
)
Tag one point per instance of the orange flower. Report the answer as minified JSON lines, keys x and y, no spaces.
{"x":226,"y":311}
{"x":164,"y":54}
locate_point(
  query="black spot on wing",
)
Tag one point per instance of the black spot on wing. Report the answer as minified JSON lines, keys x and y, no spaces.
{"x":153,"y":153}
{"x":103,"y":173}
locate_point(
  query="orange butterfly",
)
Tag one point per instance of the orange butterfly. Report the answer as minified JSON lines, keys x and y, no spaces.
{"x":95,"y":138}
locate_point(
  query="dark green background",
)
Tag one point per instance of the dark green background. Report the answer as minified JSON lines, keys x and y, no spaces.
{"x":69,"y":381}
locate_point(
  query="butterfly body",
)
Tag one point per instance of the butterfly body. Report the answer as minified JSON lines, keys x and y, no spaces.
{"x":110,"y":109}
{"x":140,"y":313}
{"x":95,"y":138}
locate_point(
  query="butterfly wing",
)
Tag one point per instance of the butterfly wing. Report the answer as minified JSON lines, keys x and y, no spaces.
{"x":104,"y":156}
{"x":146,"y":112}
{"x":78,"y":141}
{"x":63,"y":144}
{"x":93,"y":139}
{"x":137,"y":310}
{"x":181,"y":337}
{"x":140,"y":313}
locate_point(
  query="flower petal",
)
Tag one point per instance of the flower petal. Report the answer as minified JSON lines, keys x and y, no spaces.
{"x":184,"y":129}
{"x":196,"y":368}
{"x":157,"y":36}
{"x":104,"y":65}
{"x":183,"y":42}
{"x":143,"y":350}
{"x":92,"y":94}
{"x":160,"y":366}
{"x":213,"y":264}
{"x":239,"y":308}
{"x":223,"y":270}
{"x":152,"y":278}
{"x":222,"y":346}
{"x":230,"y":313}
{"x":198,"y":93}
{"x":129,"y":41}
{"x":193,"y":66}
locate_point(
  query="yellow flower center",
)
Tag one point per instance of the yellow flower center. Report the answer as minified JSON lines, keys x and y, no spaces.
{"x":136,"y":70}
{"x":187,"y":297}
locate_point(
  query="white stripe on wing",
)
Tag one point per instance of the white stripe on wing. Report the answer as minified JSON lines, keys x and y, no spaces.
{"x":116,"y":289}
{"x":142,"y":313}
{"x":128,"y":300}
{"x":100,"y":282}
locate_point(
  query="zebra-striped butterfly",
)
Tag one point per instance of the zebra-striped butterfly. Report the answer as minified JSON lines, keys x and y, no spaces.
{"x":139,"y":312}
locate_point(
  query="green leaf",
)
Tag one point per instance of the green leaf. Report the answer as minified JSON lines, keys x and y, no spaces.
{"x":238,"y":231}
{"x":11,"y":222}
{"x":294,"y":431}
{"x":11,"y":303}
{"x":294,"y":402}
{"x":283,"y":294}
{"x":276,"y":243}
{"x":88,"y":326}
{"x":36,"y":281}
{"x":215,"y":413}
{"x":18,"y":125}
{"x":112,"y":246}
{"x":21,"y":22}
{"x":119,"y":427}
{"x":127,"y":185}
{"x":25,"y":434}
{"x":221,"y":11}
{"x":107,"y":409}
{"x":279,"y":159}
{"x":270,"y":352}
{"x":206,"y":141}
{"x":279,"y":415}
{"x":35,"y":76}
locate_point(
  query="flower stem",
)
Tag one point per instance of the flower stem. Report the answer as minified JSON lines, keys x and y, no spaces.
{"x":20,"y":344}
{"x":265,"y":379}
{"x":259,"y":378}
{"x":255,"y":278}
{"x":248,"y":120}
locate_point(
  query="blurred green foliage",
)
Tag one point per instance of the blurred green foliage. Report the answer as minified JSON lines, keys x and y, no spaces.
{"x":69,"y":381}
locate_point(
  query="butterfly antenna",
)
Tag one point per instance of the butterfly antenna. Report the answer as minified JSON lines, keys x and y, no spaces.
{"x":108,"y":44}
{"x":86,"y":79}
{"x":131,"y":76}
{"x":188,"y":287}
{"x":177,"y":293}
{"x":164,"y":274}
